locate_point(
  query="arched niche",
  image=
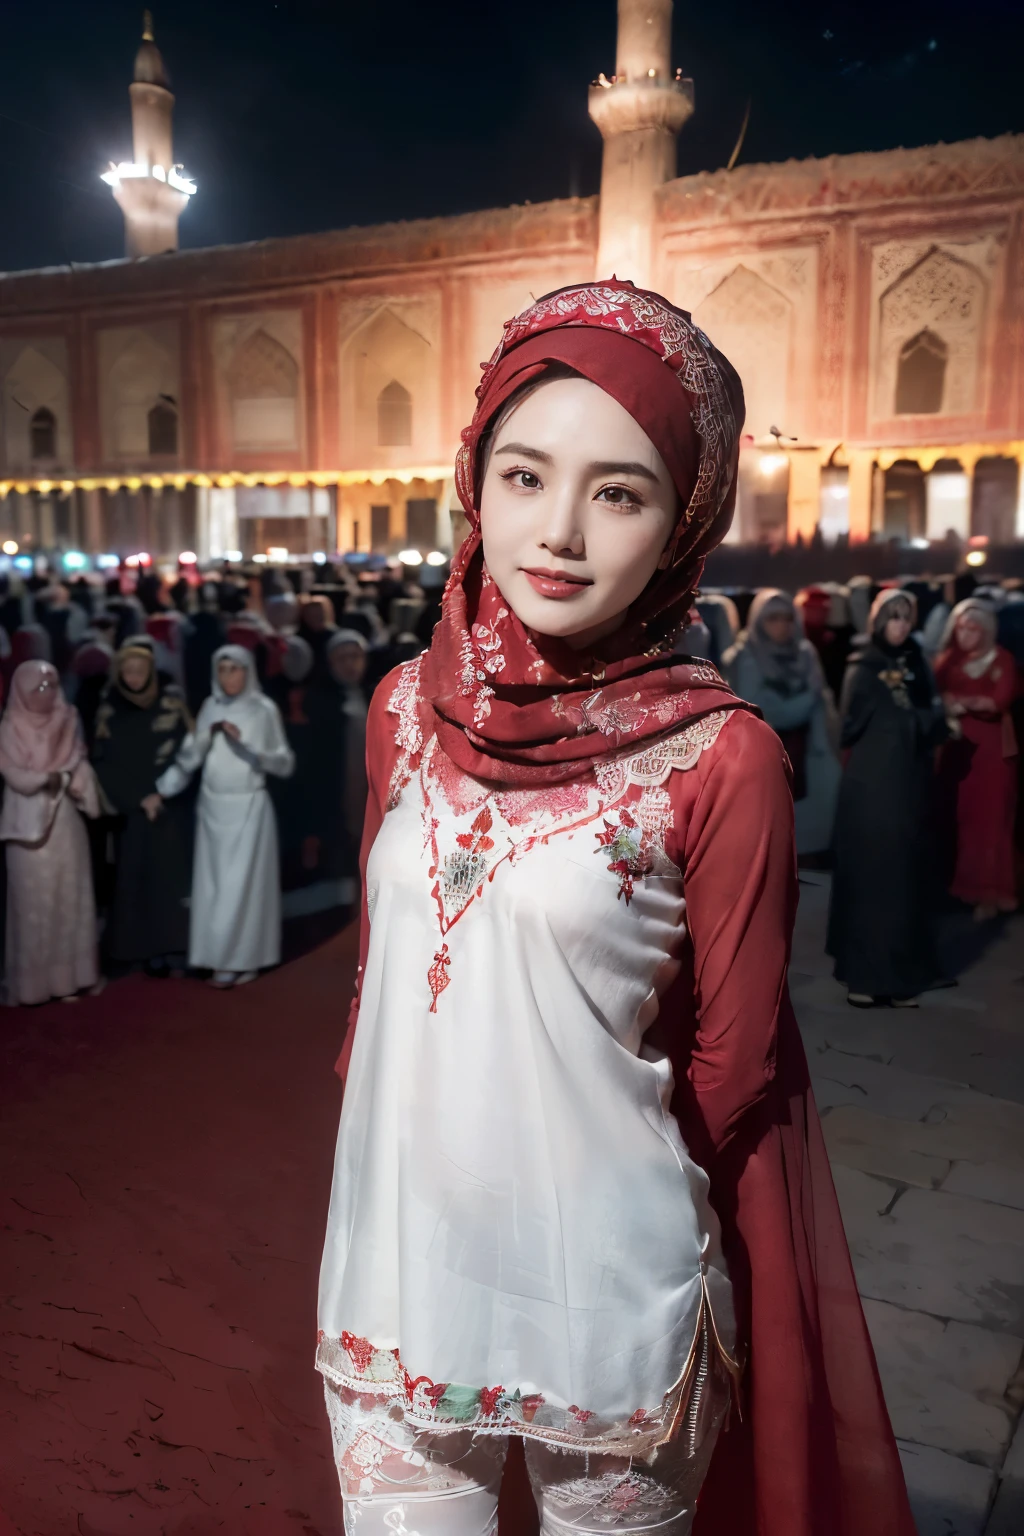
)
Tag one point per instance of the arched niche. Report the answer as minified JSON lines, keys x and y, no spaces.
{"x":752,"y":323}
{"x":263,"y":386}
{"x":394,"y":416}
{"x":921,"y":375}
{"x":389,"y":394}
{"x":138,"y":368}
{"x":42,"y":431}
{"x":162,"y":429}
{"x":938,"y":305}
{"x":37,"y":425}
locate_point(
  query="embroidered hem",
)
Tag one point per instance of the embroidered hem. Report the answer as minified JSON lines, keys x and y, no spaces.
{"x":378,"y":1376}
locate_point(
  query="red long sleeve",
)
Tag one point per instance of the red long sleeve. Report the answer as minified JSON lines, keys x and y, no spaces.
{"x":739,"y":873}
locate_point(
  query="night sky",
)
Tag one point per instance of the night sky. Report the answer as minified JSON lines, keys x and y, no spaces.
{"x":295,"y":117}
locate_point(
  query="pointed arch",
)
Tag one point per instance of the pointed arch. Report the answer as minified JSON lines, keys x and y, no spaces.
{"x":752,"y":322}
{"x":390,"y":392}
{"x":263,"y":383}
{"x":921,"y":375}
{"x":43,"y":433}
{"x":162,"y":428}
{"x":394,"y":416}
{"x":263,"y":369}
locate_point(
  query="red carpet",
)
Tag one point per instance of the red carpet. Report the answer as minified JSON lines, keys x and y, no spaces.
{"x":167,"y":1156}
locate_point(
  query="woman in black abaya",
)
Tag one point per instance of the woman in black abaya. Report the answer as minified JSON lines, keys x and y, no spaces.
{"x":140,"y":725}
{"x":880,"y":930}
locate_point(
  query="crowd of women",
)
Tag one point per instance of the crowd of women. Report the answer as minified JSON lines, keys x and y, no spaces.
{"x":173,"y":758}
{"x":899,"y":709}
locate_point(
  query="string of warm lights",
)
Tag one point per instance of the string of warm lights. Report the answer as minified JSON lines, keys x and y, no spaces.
{"x":226,"y":481}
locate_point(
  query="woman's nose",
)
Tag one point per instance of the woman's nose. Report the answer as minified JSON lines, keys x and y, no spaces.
{"x":560,"y":531}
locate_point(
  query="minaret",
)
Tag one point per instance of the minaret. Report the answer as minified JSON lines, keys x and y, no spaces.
{"x":151,"y":191}
{"x":639,"y":112}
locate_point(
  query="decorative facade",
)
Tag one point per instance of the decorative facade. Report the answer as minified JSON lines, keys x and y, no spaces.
{"x":296,"y":391}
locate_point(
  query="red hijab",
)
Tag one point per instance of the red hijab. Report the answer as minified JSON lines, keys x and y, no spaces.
{"x":515,"y":707}
{"x":40,"y":732}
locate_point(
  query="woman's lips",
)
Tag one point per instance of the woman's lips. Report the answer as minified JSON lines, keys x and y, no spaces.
{"x":556,"y":584}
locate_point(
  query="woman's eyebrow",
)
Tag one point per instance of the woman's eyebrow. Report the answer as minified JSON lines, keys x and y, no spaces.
{"x":602,"y":467}
{"x":606,"y":467}
{"x":524,"y":451}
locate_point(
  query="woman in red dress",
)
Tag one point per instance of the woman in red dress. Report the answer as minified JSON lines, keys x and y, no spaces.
{"x":978,"y":682}
{"x":555,"y":1059}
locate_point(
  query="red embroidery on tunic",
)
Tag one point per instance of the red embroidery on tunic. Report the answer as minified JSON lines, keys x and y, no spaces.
{"x":438,"y":976}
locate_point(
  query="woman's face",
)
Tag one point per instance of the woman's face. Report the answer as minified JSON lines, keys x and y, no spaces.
{"x":897,"y":628}
{"x":575,"y":510}
{"x":41,"y":698}
{"x":313,"y":617}
{"x":231,"y":678}
{"x":970,"y":636}
{"x":778,"y":625}
{"x":135,"y":673}
{"x":347,"y":664}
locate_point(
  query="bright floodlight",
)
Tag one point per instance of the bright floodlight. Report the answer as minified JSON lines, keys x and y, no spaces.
{"x":74,"y":559}
{"x":769,"y":463}
{"x":188,"y":557}
{"x":410,"y":557}
{"x":277,"y":553}
{"x":10,"y":546}
{"x":976,"y":557}
{"x":236,"y":554}
{"x":260,"y":559}
{"x":436,"y":557}
{"x":107,"y":562}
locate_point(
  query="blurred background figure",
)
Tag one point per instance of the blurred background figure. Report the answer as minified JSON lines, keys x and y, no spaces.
{"x":881,"y":917}
{"x":141,"y":723}
{"x":347,"y":656}
{"x":775,"y":667}
{"x":721,"y":616}
{"x":828,"y":624}
{"x":979,"y":682}
{"x":316,"y":626}
{"x":51,"y":946}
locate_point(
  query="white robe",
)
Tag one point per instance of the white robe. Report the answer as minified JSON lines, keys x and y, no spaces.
{"x":235,"y":918}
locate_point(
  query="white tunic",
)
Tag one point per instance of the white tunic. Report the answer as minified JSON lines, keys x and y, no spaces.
{"x":518,"y":1239}
{"x":235,"y":916}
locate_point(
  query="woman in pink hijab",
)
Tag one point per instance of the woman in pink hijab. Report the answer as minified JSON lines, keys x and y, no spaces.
{"x":51,"y":910}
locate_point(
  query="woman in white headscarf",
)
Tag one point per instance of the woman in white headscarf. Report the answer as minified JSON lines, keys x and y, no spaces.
{"x":775,"y":667}
{"x":235,"y":923}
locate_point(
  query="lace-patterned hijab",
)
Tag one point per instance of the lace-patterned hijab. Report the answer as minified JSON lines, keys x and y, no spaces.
{"x":515,"y":707}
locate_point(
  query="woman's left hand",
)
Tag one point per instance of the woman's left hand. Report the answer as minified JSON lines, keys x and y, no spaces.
{"x":231,"y":730}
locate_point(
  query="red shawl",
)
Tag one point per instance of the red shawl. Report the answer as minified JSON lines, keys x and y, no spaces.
{"x":512,"y":706}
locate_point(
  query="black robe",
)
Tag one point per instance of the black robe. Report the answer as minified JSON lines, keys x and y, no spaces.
{"x":310,"y":803}
{"x":881,"y":917}
{"x":153,"y":864}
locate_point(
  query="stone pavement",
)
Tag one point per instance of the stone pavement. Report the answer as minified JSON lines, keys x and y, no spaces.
{"x":924,"y":1119}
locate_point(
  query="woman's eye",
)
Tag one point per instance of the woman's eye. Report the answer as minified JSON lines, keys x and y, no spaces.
{"x":619,"y":496}
{"x":523,"y":479}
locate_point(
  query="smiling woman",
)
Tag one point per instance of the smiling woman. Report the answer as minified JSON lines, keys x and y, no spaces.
{"x":579,"y":1174}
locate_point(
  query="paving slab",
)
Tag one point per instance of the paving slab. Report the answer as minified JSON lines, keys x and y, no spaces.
{"x":949,"y":1497}
{"x":946,"y":1382}
{"x":934,"y":1252}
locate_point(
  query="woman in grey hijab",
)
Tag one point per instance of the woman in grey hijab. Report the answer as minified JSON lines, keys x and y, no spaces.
{"x":775,"y":667}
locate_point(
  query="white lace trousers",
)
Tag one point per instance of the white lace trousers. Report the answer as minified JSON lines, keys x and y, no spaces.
{"x":399,"y":1481}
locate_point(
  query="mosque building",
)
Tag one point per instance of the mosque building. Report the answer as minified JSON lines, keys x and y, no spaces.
{"x":308,"y":393}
